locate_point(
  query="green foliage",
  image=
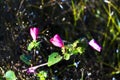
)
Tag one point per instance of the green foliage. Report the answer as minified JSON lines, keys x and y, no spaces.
{"x":10,"y":75}
{"x":42,"y":75}
{"x":78,"y":10}
{"x":112,"y":37}
{"x":73,"y":49}
{"x":66,"y":56}
{"x":33,"y":44}
{"x":54,"y":58}
{"x":25,"y":59}
{"x":80,"y":50}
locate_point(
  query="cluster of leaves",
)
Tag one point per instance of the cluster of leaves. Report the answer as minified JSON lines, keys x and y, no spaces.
{"x":67,"y":51}
{"x":32,"y":45}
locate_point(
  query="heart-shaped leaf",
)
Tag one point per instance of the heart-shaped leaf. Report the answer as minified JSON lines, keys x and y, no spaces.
{"x":10,"y":75}
{"x":54,"y":58}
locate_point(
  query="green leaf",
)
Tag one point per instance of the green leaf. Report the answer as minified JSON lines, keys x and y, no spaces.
{"x":42,"y":75}
{"x":75,"y":43}
{"x":25,"y":59}
{"x":30,"y":46}
{"x":54,"y":58}
{"x":33,"y":44}
{"x":80,"y":49}
{"x":74,"y":51}
{"x":67,"y":56}
{"x":10,"y":75}
{"x":36,"y":45}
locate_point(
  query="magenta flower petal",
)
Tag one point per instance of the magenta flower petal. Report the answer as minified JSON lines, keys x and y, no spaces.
{"x":34,"y":32}
{"x":94,"y":45}
{"x":57,"y":41}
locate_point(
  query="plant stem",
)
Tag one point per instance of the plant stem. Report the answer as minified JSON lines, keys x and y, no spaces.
{"x":82,"y":74}
{"x":35,"y":67}
{"x":41,"y":65}
{"x":34,"y":52}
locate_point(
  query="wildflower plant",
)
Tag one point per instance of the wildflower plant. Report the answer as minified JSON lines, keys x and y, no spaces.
{"x":34,"y":34}
{"x":67,"y":50}
{"x":77,"y":47}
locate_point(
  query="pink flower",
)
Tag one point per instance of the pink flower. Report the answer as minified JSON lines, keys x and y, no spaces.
{"x":94,"y":45}
{"x":31,"y":70}
{"x":57,"y":41}
{"x":34,"y":32}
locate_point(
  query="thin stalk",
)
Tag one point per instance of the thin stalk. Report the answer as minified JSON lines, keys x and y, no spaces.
{"x":82,"y":74}
{"x":114,"y":38}
{"x":117,"y":9}
{"x":35,"y":67}
{"x":44,"y":64}
{"x":74,"y":13}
